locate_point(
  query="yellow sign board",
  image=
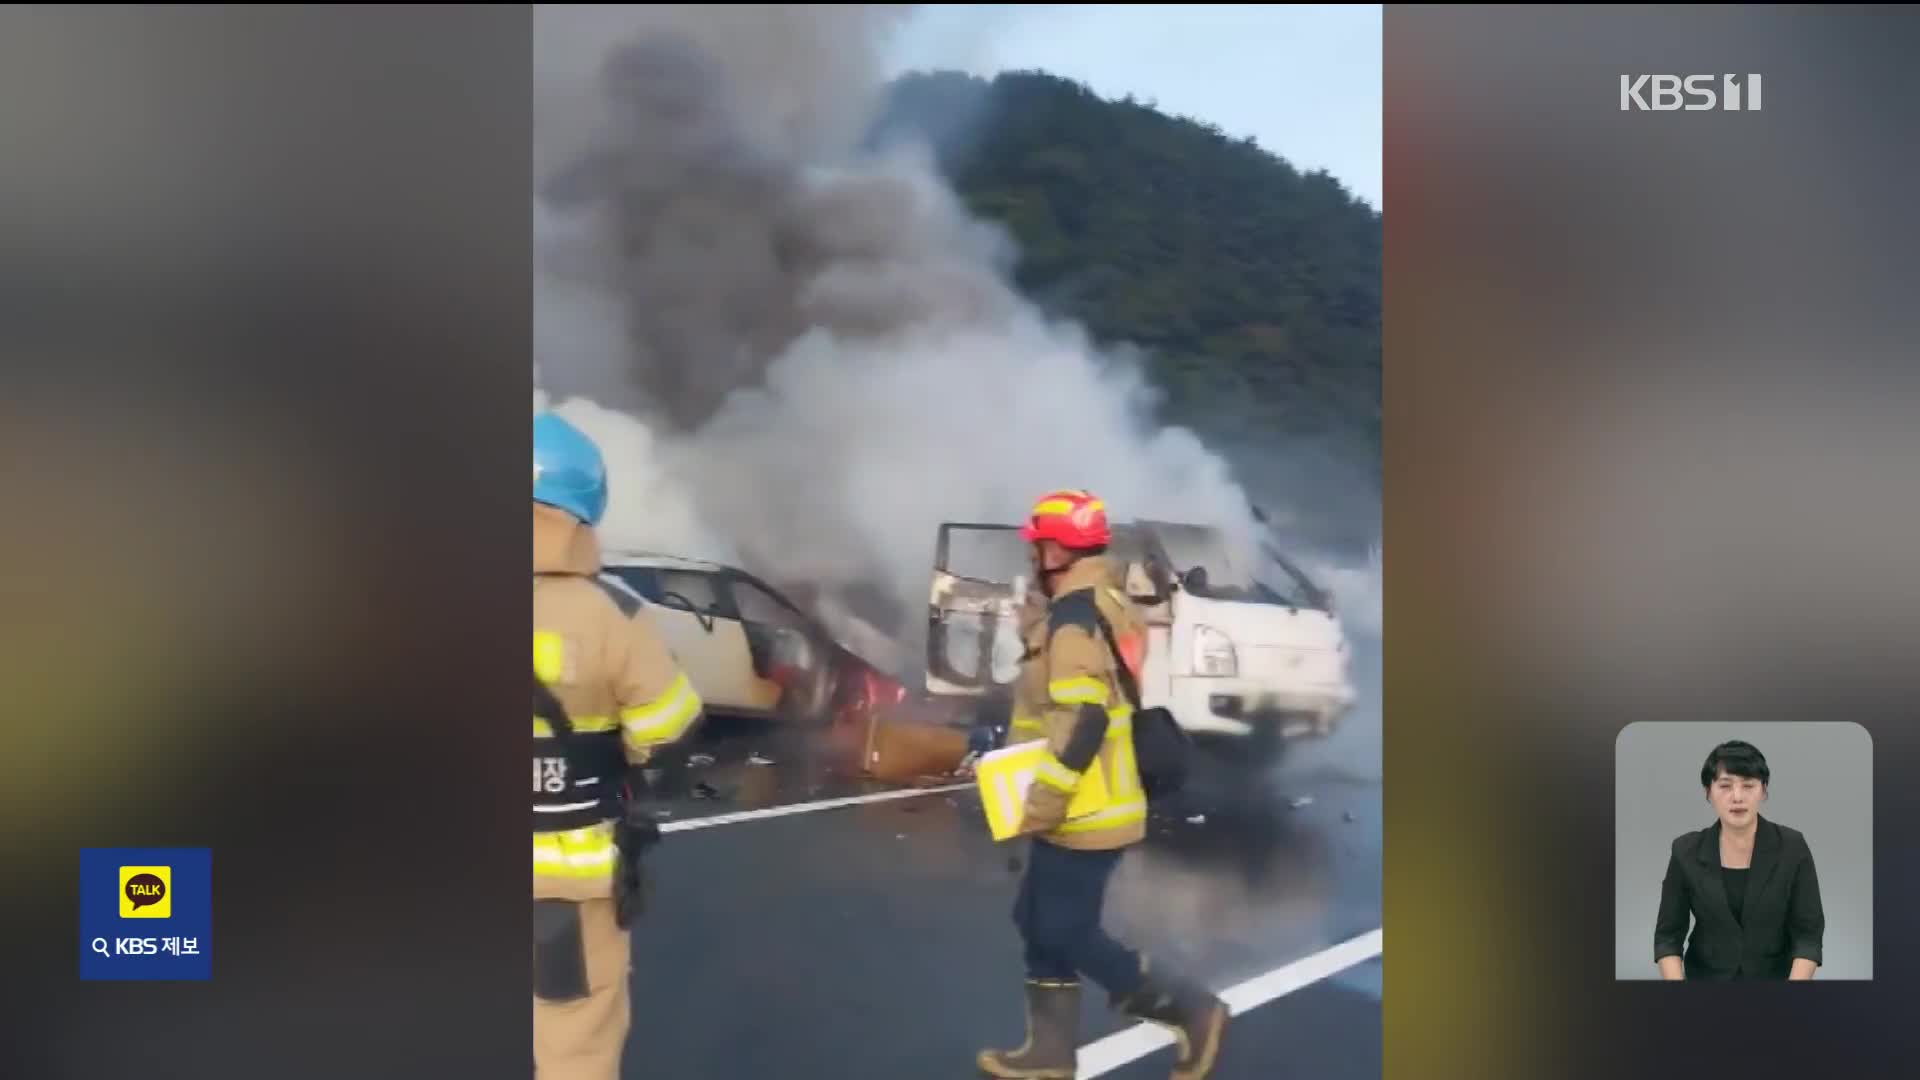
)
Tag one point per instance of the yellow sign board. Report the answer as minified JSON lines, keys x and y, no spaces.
{"x":1004,"y":776}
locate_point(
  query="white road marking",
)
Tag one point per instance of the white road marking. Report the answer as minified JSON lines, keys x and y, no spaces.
{"x":715,"y":820}
{"x":1127,"y":1046}
{"x":1124,"y":1047}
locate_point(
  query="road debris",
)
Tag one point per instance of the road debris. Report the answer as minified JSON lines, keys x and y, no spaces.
{"x":1300,"y":803}
{"x":1197,"y":819}
{"x":699,"y":761}
{"x":704,"y":790}
{"x":907,"y":752}
{"x":757,"y":758}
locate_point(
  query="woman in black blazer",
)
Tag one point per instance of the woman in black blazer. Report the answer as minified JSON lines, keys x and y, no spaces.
{"x":1747,"y":883}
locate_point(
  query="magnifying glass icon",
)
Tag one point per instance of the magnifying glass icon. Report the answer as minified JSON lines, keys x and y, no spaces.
{"x":100,"y":946}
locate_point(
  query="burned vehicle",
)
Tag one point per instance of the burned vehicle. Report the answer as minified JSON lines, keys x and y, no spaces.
{"x":749,"y":650}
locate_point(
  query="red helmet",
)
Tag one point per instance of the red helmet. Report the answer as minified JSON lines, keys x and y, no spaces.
{"x":1076,"y":520}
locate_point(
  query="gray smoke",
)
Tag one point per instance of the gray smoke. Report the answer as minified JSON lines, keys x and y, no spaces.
{"x":681,"y":141}
{"x":803,"y":357}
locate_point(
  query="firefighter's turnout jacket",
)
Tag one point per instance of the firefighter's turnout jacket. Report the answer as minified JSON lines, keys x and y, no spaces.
{"x":624,"y":694}
{"x":1067,"y":693}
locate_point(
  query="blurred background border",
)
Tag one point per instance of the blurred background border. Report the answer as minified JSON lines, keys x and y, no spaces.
{"x":1649,"y":380}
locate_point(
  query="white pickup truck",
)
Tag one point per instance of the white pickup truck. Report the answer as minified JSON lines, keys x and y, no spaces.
{"x":1245,"y":661}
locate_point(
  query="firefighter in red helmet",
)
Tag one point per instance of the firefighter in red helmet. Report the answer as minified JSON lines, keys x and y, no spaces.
{"x":1070,"y":694}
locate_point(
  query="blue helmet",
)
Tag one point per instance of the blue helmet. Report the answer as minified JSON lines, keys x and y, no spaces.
{"x":568,"y":471}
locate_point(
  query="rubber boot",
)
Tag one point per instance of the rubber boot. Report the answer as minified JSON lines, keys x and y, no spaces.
{"x":1196,"y":1016}
{"x":1053,"y":1036}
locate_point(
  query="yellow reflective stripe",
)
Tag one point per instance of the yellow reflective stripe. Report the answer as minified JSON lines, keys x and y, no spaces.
{"x":1066,"y":506}
{"x":586,"y":852}
{"x":1054,"y":773}
{"x":1114,"y":816}
{"x":1080,"y":690}
{"x":1028,"y":723}
{"x":582,"y":725}
{"x":1119,"y":723}
{"x":665,"y":719}
{"x":549,"y":656}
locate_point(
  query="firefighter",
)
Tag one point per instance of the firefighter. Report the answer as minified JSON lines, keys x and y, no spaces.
{"x":1068,"y":694}
{"x":607,"y":694}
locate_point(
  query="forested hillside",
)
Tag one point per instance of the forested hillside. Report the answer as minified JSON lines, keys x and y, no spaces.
{"x":1254,"y":286}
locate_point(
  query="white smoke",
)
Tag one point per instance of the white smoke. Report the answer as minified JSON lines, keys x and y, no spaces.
{"x":650,"y":508}
{"x":801,"y":358}
{"x":1358,"y":596}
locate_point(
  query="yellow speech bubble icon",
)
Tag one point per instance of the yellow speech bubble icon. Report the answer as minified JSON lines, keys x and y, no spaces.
{"x":146,"y":892}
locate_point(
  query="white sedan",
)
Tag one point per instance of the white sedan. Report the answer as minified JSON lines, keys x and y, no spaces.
{"x":748,"y":650}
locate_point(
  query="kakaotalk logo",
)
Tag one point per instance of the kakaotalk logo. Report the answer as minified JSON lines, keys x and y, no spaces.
{"x":146,"y":892}
{"x":1691,"y":93}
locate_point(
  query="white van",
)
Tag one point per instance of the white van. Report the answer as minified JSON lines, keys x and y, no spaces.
{"x":1242,"y":658}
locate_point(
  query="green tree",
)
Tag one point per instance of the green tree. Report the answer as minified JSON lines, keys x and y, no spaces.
{"x":1253,"y":287}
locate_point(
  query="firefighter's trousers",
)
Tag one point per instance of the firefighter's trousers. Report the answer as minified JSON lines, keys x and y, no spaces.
{"x":583,"y":1039}
{"x":1059,"y":914}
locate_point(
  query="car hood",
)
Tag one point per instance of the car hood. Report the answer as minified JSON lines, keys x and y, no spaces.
{"x":1264,"y":624}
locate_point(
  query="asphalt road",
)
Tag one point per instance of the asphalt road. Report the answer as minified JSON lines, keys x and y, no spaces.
{"x":875,"y":940}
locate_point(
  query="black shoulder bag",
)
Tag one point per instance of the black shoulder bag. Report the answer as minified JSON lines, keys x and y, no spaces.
{"x":1160,"y":746}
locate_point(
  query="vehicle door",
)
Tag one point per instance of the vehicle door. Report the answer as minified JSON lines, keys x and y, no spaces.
{"x":781,"y":643}
{"x":979,"y":575}
{"x":973,"y":630}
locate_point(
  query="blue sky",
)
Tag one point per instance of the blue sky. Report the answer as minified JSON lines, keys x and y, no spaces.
{"x":1304,"y":81}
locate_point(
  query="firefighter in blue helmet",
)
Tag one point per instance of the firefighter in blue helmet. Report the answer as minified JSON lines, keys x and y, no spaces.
{"x":568,"y":472}
{"x":607,"y":693}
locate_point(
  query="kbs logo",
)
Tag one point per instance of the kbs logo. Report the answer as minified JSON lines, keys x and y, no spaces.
{"x":1693,"y":93}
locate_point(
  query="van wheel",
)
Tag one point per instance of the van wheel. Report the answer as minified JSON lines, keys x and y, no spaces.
{"x":1266,"y":748}
{"x":1254,"y":753}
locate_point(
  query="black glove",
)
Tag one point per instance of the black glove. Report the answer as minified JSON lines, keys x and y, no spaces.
{"x":629,"y":892}
{"x":642,"y":831}
{"x":634,"y":834}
